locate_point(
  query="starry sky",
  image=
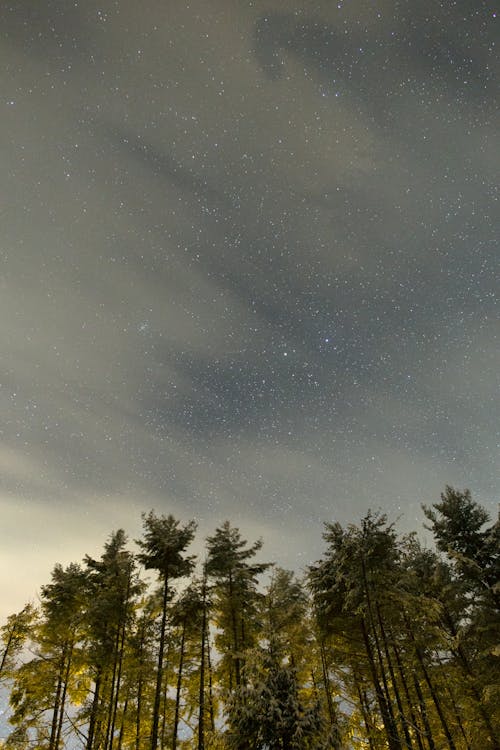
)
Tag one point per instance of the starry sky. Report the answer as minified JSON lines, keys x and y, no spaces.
{"x":249,"y":268}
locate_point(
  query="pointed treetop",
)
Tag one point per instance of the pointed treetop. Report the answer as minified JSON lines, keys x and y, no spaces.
{"x":163,"y":545}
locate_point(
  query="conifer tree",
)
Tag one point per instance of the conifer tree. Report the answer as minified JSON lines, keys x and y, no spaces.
{"x":41,"y":685}
{"x":236,"y":595}
{"x":163,"y":547}
{"x":269,"y":711}
{"x":347,"y":585}
{"x":459,"y":527}
{"x":111,"y":588}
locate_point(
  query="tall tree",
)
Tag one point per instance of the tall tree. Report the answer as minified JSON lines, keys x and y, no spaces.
{"x":236,"y":595}
{"x":111,"y":587}
{"x":459,"y":525}
{"x":163,"y":547}
{"x":41,"y":684}
{"x":360,"y":563}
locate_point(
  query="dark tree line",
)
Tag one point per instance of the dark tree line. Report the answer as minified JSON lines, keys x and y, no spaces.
{"x":384,"y":644}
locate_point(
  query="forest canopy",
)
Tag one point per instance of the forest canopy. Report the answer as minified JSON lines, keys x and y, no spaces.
{"x":382,"y":643}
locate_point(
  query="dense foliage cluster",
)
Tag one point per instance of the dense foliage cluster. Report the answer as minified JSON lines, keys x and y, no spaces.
{"x":384,"y":644}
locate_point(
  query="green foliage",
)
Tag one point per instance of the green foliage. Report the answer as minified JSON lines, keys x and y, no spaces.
{"x":163,"y":546}
{"x":389,"y":646}
{"x":269,"y":711}
{"x":13,"y":636}
{"x":236,"y":597}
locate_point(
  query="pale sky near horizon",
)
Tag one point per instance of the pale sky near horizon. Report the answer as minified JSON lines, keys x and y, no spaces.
{"x":249,"y":269}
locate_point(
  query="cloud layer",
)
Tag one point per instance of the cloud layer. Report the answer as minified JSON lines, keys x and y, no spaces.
{"x":249,"y":268}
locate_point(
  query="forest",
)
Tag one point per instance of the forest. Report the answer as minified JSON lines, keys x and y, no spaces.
{"x":383,"y":643}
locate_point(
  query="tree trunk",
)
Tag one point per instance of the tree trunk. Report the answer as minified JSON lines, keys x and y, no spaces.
{"x":235,"y":635}
{"x":7,"y":649}
{"x":201,"y":691}
{"x":179,"y":687}
{"x":392,"y":740}
{"x":364,"y":711}
{"x":55,"y":709}
{"x":138,"y":713}
{"x":326,"y":683}
{"x":464,"y":663}
{"x":434,"y":696}
{"x":389,"y":720}
{"x":121,"y":651}
{"x":122,"y":725}
{"x":63,"y":696}
{"x":159,"y":673}
{"x":423,"y":712}
{"x":408,"y":696}
{"x":404,"y":721}
{"x":111,"y":700}
{"x":210,"y":682}
{"x":93,"y":711}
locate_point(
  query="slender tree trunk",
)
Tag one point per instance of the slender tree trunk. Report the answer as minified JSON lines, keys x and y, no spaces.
{"x":201,"y":691}
{"x":179,"y":687}
{"x":395,"y":687}
{"x":392,"y":740}
{"x":166,"y":665}
{"x":466,"y":668}
{"x":423,"y":712}
{"x":138,"y":714}
{"x":408,"y":696}
{"x":111,"y":699}
{"x":235,"y":634}
{"x":210,"y":681}
{"x":55,"y":709}
{"x":389,"y":720}
{"x":63,"y":696}
{"x":364,"y":711}
{"x":434,"y":696}
{"x":326,"y":683}
{"x":122,"y":724}
{"x":93,"y":711}
{"x":458,"y":718}
{"x":121,"y":651}
{"x":7,"y":649}
{"x":159,"y":673}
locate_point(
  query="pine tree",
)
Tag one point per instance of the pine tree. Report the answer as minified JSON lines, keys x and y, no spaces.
{"x":236,"y":596}
{"x":163,"y":547}
{"x":111,"y":588}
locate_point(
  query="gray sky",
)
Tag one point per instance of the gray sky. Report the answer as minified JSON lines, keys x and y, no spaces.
{"x":249,"y":269}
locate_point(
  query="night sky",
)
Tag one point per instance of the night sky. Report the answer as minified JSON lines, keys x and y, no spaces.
{"x":249,"y":269}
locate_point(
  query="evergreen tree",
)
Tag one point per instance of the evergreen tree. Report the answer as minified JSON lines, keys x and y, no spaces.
{"x":348,"y":587}
{"x":236,"y":596}
{"x":403,"y":638}
{"x":459,"y":527}
{"x":163,"y":547}
{"x":41,"y":685}
{"x":268,"y":710}
{"x":111,"y":588}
